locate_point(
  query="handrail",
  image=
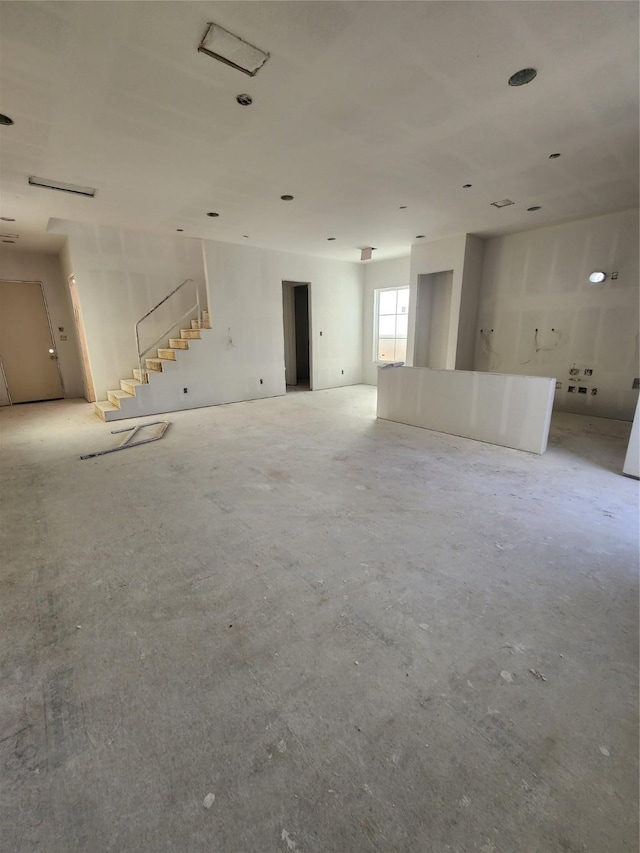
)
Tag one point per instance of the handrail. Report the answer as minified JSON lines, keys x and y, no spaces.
{"x":144,"y":376}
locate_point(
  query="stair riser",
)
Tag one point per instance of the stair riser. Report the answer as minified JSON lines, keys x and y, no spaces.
{"x":153,"y":365}
{"x":178,"y":343}
{"x":129,"y":386}
{"x":190,"y":334}
{"x":167,"y":354}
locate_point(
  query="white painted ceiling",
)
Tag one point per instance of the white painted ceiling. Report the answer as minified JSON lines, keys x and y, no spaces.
{"x":362,"y":107}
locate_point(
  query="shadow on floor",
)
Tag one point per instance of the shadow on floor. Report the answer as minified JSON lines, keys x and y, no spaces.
{"x":600,"y":441}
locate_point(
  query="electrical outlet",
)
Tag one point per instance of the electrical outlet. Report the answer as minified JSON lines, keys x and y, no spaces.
{"x":594,"y":391}
{"x":185,"y":390}
{"x":574,"y":371}
{"x":342,"y":371}
{"x":261,"y":382}
{"x":571,"y":389}
{"x":320,"y":334}
{"x":582,"y":390}
{"x":558,"y":386}
{"x":614,"y":276}
{"x":636,"y":383}
{"x":588,"y":371}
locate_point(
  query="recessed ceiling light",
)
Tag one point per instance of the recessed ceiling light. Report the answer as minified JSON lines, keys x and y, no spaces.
{"x":597,"y":277}
{"x":419,"y":236}
{"x":246,"y":236}
{"x":48,"y":184}
{"x":525,"y":75}
{"x":244,"y":100}
{"x":467,"y":186}
{"x":212,"y":213}
{"x":553,"y":156}
{"x":8,"y":241}
{"x":286,"y":197}
{"x":179,"y":229}
{"x":5,"y":119}
{"x":331,"y":238}
{"x":504,"y":203}
{"x":403,"y":207}
{"x":7,"y":218}
{"x":9,"y":236}
{"x":535,"y":207}
{"x":232,"y":50}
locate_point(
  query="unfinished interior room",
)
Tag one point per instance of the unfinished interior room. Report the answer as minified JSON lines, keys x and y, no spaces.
{"x":319,"y":432}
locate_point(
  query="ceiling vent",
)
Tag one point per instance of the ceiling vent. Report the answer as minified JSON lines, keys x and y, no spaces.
{"x":504,"y":203}
{"x":59,"y":185}
{"x":232,"y":50}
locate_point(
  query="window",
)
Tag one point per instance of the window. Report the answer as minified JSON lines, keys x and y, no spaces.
{"x":391,"y":324}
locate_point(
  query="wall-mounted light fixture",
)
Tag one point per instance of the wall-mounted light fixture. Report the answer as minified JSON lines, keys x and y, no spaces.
{"x":598,"y":277}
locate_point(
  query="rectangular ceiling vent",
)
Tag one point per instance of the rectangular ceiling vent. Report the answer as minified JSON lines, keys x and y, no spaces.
{"x":62,"y":187}
{"x":232,"y":50}
{"x":504,"y":203}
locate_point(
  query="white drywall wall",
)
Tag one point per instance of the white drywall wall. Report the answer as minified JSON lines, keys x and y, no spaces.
{"x":438,"y":256}
{"x":121,"y":274}
{"x":540,"y":280}
{"x":377,"y":275}
{"x":632,"y":460}
{"x":245,"y":300}
{"x":30,"y":266}
{"x":512,"y":411}
{"x":469,"y":300}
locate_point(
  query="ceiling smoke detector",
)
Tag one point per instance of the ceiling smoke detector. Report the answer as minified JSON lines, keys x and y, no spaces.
{"x":525,"y":75}
{"x":232,"y":50}
{"x":504,"y":203}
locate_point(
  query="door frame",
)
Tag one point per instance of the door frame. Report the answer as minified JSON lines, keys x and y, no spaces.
{"x":89,"y":389}
{"x":289,"y":326}
{"x":53,"y":339}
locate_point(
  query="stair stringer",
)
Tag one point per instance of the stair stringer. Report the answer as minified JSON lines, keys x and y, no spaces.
{"x":212,"y":373}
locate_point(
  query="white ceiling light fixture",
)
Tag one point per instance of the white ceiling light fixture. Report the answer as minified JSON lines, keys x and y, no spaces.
{"x":232,"y":50}
{"x":598,"y":277}
{"x":62,"y":187}
{"x":504,"y":203}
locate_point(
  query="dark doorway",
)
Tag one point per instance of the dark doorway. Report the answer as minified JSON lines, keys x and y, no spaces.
{"x":297,"y":335}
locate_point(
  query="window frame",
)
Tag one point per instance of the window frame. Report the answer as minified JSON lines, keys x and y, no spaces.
{"x":376,"y":320}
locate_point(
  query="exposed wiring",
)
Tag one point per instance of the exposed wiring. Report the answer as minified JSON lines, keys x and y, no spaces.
{"x":537,"y":346}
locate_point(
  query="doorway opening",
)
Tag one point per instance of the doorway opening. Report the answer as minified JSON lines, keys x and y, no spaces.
{"x":433,"y":317}
{"x":29,"y":370}
{"x":296,"y":312}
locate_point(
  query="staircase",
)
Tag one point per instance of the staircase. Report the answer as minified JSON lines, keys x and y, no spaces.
{"x":121,"y":402}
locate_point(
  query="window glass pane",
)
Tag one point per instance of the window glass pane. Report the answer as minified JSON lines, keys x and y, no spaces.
{"x":403,"y":301}
{"x":402,"y":324}
{"x":386,"y":349}
{"x":387,"y":326}
{"x":387,"y":302}
{"x":401,"y":349}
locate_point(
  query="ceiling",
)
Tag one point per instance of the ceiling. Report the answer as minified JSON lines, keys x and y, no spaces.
{"x":363,"y":108}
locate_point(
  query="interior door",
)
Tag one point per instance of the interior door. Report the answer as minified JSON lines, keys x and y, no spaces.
{"x":27,"y":350}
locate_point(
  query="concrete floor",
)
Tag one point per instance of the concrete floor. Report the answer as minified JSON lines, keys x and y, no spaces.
{"x":338,"y":626}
